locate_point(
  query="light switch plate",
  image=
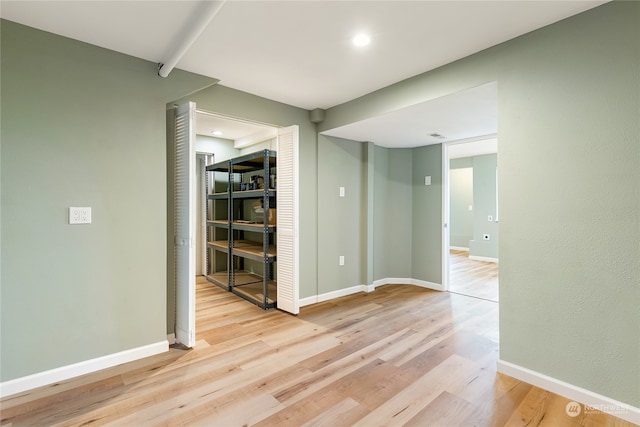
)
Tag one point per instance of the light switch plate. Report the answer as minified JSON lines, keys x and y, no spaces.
{"x":79,"y":215}
{"x":341,"y":191}
{"x":427,"y":180}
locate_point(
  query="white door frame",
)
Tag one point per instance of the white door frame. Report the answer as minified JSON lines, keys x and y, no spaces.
{"x":185,"y":223}
{"x":179,"y":308}
{"x":445,"y":215}
{"x":287,"y":204}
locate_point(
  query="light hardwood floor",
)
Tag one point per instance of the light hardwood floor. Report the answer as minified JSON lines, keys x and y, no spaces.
{"x":401,"y":355}
{"x":474,"y":278}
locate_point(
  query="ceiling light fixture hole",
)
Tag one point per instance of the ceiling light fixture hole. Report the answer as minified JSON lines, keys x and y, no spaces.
{"x":361,"y":40}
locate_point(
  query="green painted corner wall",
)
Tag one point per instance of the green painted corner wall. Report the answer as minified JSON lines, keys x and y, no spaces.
{"x":392,"y":213}
{"x":569,"y":252}
{"x":380,"y":187}
{"x":341,"y":220}
{"x":81,"y":126}
{"x":569,"y":198}
{"x":427,"y":223}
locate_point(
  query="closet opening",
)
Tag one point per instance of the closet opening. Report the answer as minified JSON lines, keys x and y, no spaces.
{"x":198,"y":142}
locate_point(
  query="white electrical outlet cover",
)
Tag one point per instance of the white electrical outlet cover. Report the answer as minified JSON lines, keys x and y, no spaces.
{"x":79,"y":215}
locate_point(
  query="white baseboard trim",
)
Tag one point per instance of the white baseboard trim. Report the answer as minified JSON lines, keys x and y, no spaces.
{"x":428,"y":285}
{"x":62,"y":373}
{"x":392,"y":281}
{"x":408,"y":281}
{"x":591,"y":401}
{"x":483,"y":258}
{"x":367,"y":288}
{"x":171,"y":338}
{"x":334,"y":294}
{"x":341,"y":293}
{"x":459,"y":248}
{"x":307,"y":301}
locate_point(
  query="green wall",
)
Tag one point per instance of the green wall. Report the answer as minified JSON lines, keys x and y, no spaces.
{"x":472,"y":181}
{"x":377,"y":226}
{"x":427,"y":223}
{"x":81,"y":126}
{"x":569,"y":253}
{"x":222,"y":149}
{"x":385,"y":188}
{"x":341,"y":220}
{"x":460,"y":198}
{"x":484,"y":204}
{"x":393,"y":210}
{"x":568,"y":108}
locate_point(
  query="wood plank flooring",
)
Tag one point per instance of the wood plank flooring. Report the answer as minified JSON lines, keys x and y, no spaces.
{"x":401,"y":355}
{"x":474,"y":278}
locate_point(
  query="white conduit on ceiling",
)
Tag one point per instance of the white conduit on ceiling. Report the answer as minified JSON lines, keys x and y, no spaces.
{"x":209,"y":10}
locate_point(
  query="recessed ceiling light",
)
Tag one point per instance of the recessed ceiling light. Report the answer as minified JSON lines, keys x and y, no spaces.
{"x":437,"y":135}
{"x":361,"y":40}
{"x":217,"y":133}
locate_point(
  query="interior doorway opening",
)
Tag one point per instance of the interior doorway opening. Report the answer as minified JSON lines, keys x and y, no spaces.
{"x":195,"y":139}
{"x":472,"y":232}
{"x":220,"y":138}
{"x":198,"y":142}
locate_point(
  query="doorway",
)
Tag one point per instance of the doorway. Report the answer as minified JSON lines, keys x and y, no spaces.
{"x":219,"y":138}
{"x":471,"y":241}
{"x":195,"y":138}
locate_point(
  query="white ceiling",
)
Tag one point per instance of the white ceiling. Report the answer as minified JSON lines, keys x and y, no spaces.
{"x":230,"y":128}
{"x":299,"y":52}
{"x":460,"y":116}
